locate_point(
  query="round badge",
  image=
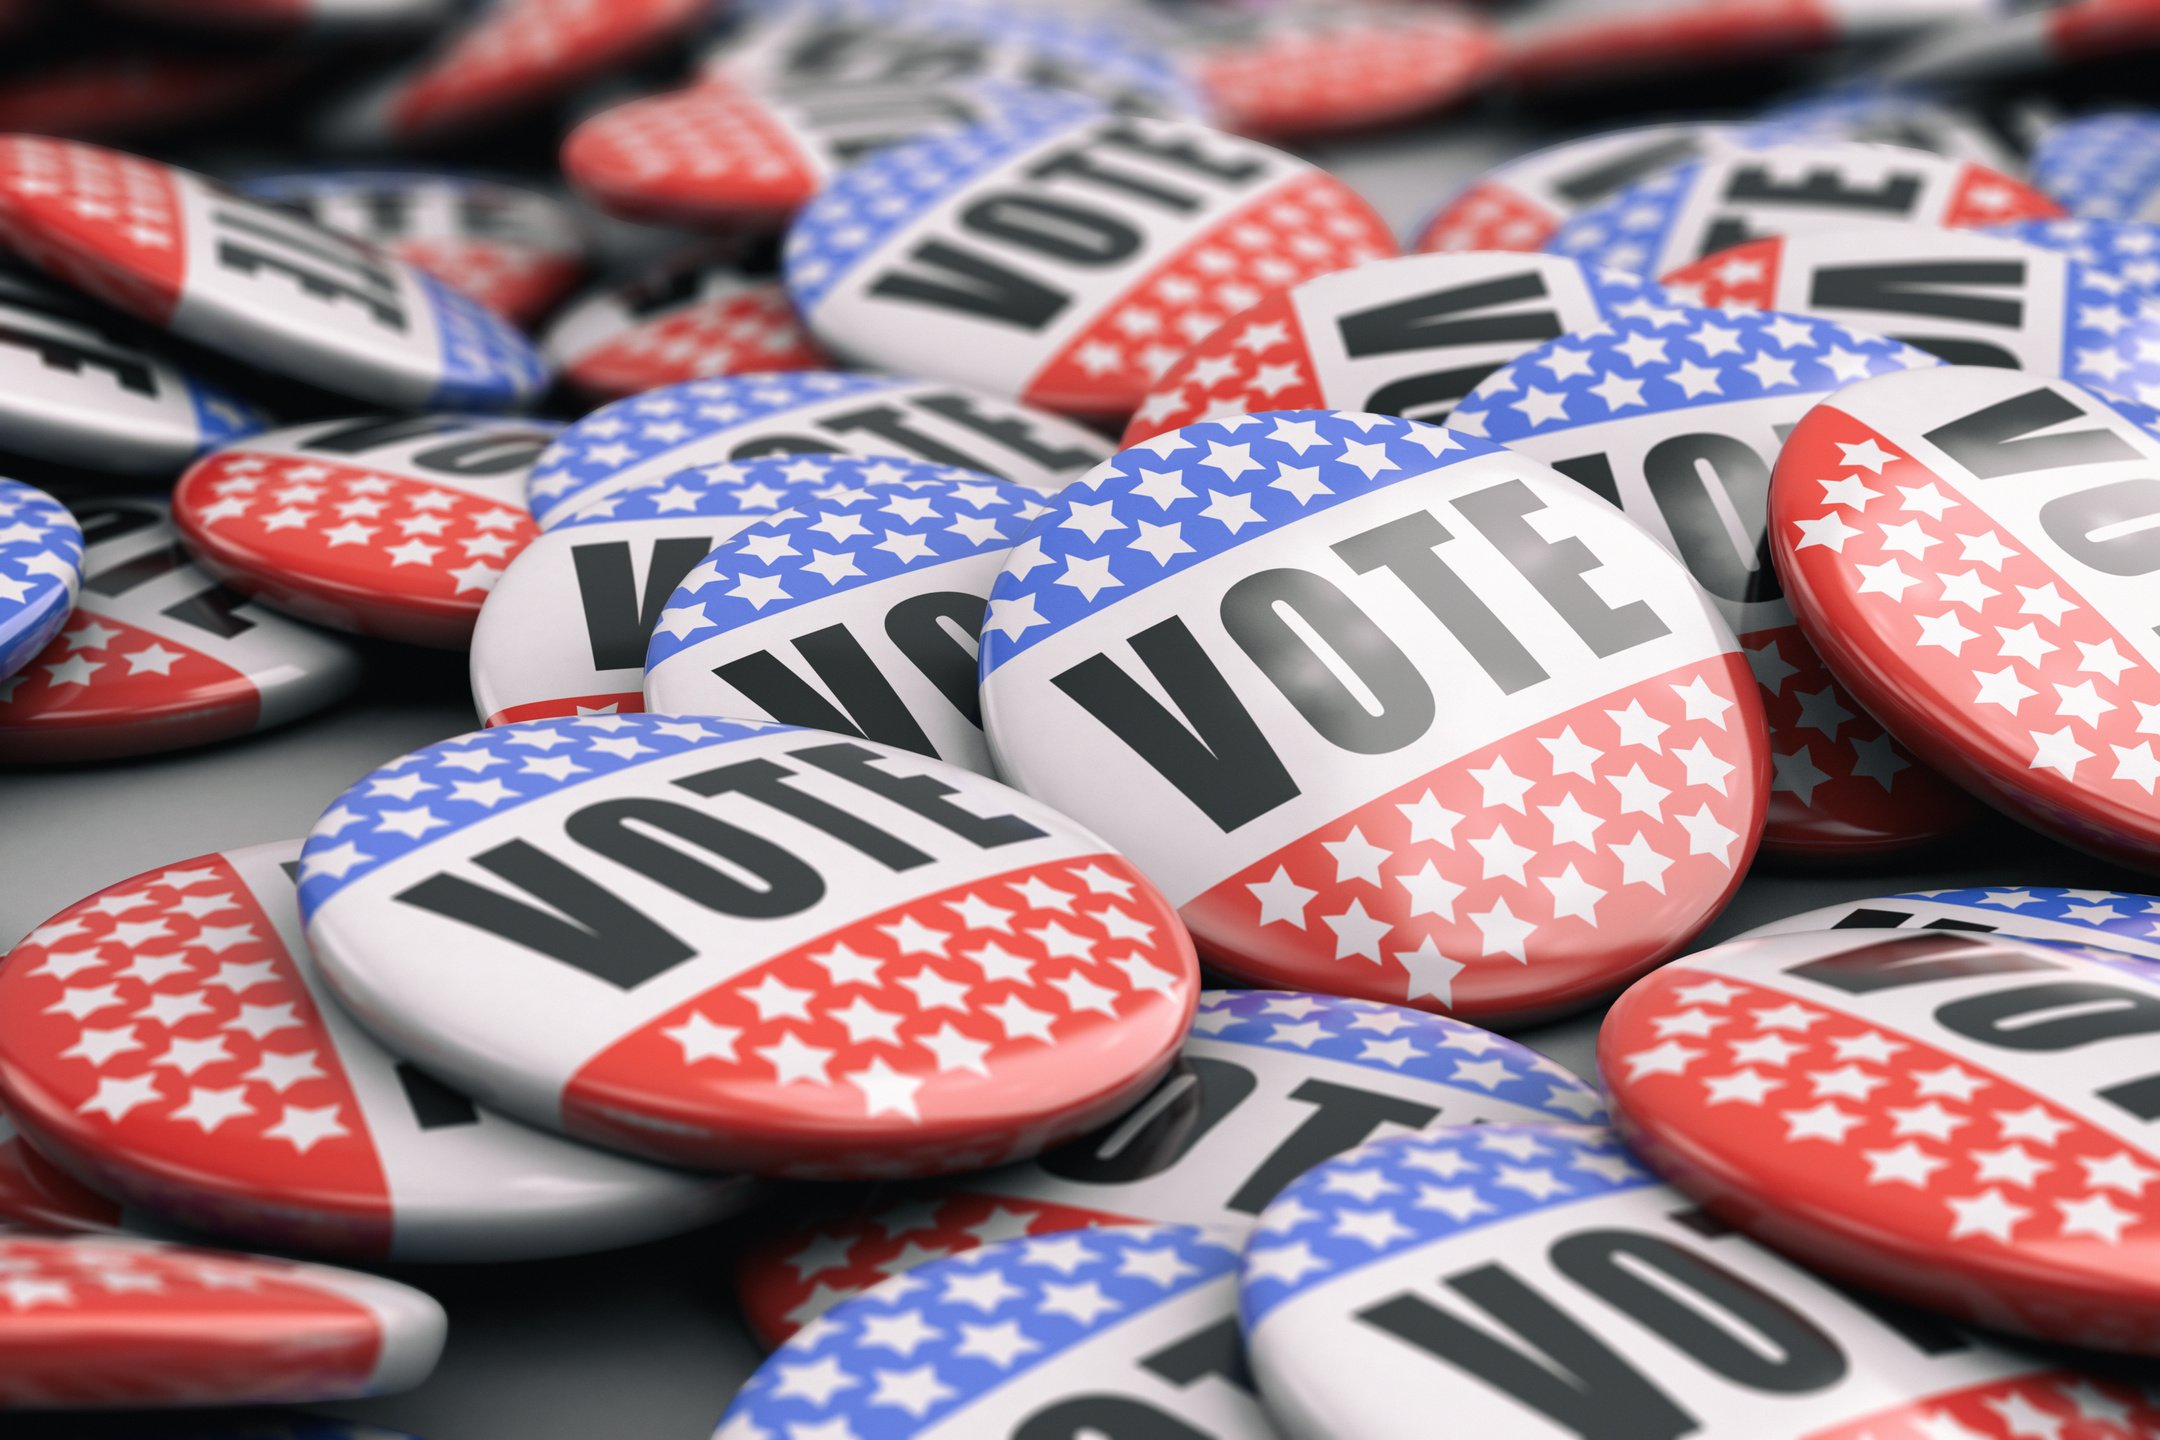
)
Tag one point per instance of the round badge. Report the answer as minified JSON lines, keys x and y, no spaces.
{"x":855,"y":612}
{"x":169,"y":1040}
{"x":1971,"y":552}
{"x":1536,"y":1282}
{"x":255,"y":281}
{"x":895,"y":967}
{"x":79,"y":389}
{"x":707,"y":315}
{"x":1408,"y":336}
{"x":1127,"y":1331}
{"x":1676,"y":417}
{"x":1064,"y":257}
{"x":2128,"y":248}
{"x":41,"y":562}
{"x":158,"y":656}
{"x":1269,"y":1084}
{"x":646,"y":438}
{"x":1969,"y":298}
{"x":2106,"y":165}
{"x":1959,"y":1120}
{"x":516,"y":251}
{"x":723,"y":153}
{"x":2112,"y":918}
{"x":1708,"y":205}
{"x":394,"y":525}
{"x":100,"y":1323}
{"x":1227,"y":649}
{"x":1518,"y":205}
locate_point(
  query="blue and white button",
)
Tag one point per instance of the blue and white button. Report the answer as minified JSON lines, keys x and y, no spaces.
{"x":2104,"y":166}
{"x":2129,"y":248}
{"x":2118,"y":919}
{"x":41,"y":559}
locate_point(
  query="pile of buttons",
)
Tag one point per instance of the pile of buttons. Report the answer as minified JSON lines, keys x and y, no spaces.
{"x":1052,"y":719}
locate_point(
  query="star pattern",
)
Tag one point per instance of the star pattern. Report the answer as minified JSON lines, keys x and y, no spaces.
{"x":2126,"y":248}
{"x":1518,"y":205}
{"x":900,"y":1360}
{"x":1295,"y":72}
{"x":715,"y":150}
{"x":41,"y":561}
{"x":748,"y":326}
{"x":101,"y":666}
{"x":2105,"y":166}
{"x":2116,"y":917}
{"x":2048,"y":1405}
{"x":97,"y":219}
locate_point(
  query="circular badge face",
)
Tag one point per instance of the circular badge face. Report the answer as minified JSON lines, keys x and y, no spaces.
{"x":159,"y":656}
{"x":1067,"y":257}
{"x":1960,"y":1120}
{"x":2113,"y":918}
{"x":2129,"y":248}
{"x":1269,"y":1084}
{"x":895,"y":966}
{"x":1970,"y":298}
{"x":514,"y":250}
{"x":1676,"y":416}
{"x":78,"y":388}
{"x":702,"y":316}
{"x":393,"y":525}
{"x":1518,"y":205}
{"x":1464,"y":1272}
{"x":1971,"y":551}
{"x":1683,"y":214}
{"x":2105,"y":165}
{"x":1092,"y":1333}
{"x":1228,"y":647}
{"x":1406,"y":336}
{"x":170,"y":1040}
{"x":646,"y":438}
{"x":98,"y":1323}
{"x":255,"y":281}
{"x":856,"y":611}
{"x":41,"y":564}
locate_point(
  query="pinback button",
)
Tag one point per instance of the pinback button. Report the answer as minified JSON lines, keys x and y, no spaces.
{"x":925,"y":970}
{"x":394,"y":525}
{"x":169,"y":1040}
{"x":1971,"y":298}
{"x":41,"y":564}
{"x":158,"y":656}
{"x":1065,"y":259}
{"x":516,"y":251}
{"x":1958,"y":1120}
{"x":1227,"y":648}
{"x":1269,"y":1084}
{"x":648,"y":437}
{"x":1407,"y":336}
{"x":2128,"y":248}
{"x":1128,"y":1331}
{"x":856,"y":612}
{"x":1677,"y":217}
{"x":79,"y":389}
{"x":256,"y":282}
{"x":2104,"y":166}
{"x":107,"y":1323}
{"x":1676,"y":416}
{"x":1466,"y":1271}
{"x":2113,"y":918}
{"x":1970,"y":552}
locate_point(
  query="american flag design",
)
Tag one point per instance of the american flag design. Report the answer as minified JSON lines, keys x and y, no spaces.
{"x":1519,"y":204}
{"x":1681,"y":215}
{"x":2103,"y":166}
{"x":397,"y":527}
{"x":1407,"y":336}
{"x":170,"y":1040}
{"x":1464,"y":1271}
{"x":1984,"y":617}
{"x":1198,"y":228}
{"x":739,"y":417}
{"x":1084,"y":1330}
{"x":1971,"y":298}
{"x":2129,"y":248}
{"x":1400,"y":868}
{"x":1633,"y":410}
{"x":563,"y":633}
{"x":257,"y":282}
{"x":159,"y":656}
{"x":2116,"y":919}
{"x":90,"y":1322}
{"x":1312,"y":68}
{"x":1916,"y":1112}
{"x":516,"y":251}
{"x":78,"y":387}
{"x":878,"y":563}
{"x":41,"y":564}
{"x":1269,"y":1084}
{"x":1011,"y":984}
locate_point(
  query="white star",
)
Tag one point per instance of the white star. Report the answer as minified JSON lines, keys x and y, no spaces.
{"x":702,"y":1039}
{"x":1989,"y":1213}
{"x":304,"y":1127}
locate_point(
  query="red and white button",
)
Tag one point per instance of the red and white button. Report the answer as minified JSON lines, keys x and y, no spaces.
{"x":1519,"y":204}
{"x":387,"y":526}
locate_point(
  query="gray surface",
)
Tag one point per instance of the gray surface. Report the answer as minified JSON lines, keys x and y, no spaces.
{"x":644,"y":1343}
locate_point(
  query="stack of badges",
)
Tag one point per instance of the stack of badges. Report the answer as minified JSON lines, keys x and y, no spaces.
{"x":41,"y":565}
